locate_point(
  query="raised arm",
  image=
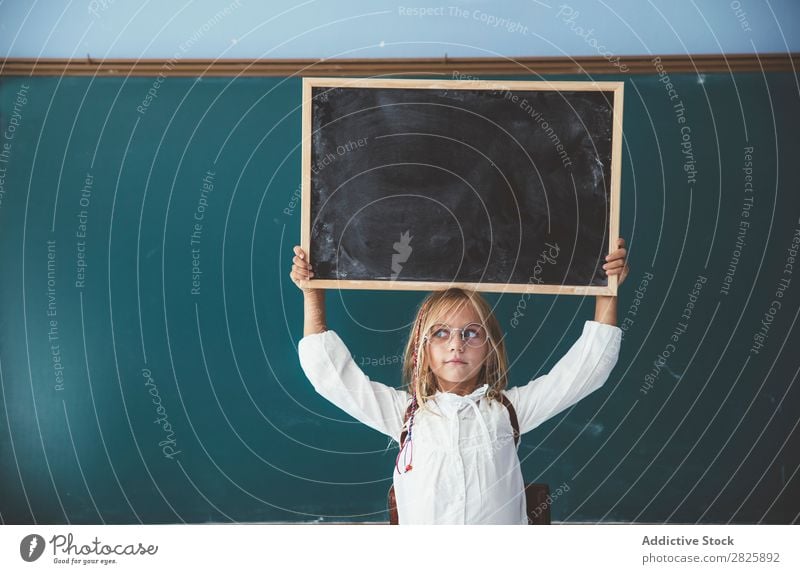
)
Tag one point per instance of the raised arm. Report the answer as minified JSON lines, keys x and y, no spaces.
{"x":313,"y":299}
{"x":605,"y":310}
{"x":585,"y":367}
{"x":582,"y":370}
{"x":329,"y":366}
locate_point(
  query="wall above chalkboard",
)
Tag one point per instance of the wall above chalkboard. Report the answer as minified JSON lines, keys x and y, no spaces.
{"x":494,"y":186}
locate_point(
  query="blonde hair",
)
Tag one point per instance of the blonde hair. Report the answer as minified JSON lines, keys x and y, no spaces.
{"x":417,"y":374}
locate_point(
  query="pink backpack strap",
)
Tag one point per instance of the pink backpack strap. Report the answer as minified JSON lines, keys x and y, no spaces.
{"x":405,"y":420}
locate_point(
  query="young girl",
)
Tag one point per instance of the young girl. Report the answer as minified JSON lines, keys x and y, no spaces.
{"x":458,"y":460}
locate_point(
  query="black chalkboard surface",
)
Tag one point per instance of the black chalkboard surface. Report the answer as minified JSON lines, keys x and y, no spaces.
{"x":426,"y":184}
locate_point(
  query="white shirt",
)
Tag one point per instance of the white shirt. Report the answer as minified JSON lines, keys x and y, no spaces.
{"x":465,"y":465}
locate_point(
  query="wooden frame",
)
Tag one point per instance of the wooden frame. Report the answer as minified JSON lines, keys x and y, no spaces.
{"x":444,"y":66}
{"x":616,"y":159}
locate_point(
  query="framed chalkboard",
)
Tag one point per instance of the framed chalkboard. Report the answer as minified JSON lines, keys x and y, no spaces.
{"x":494,"y":186}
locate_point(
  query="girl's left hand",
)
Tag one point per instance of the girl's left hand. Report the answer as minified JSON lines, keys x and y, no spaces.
{"x":615,"y":262}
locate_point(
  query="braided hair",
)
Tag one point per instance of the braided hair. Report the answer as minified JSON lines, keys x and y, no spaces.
{"x":408,"y":453}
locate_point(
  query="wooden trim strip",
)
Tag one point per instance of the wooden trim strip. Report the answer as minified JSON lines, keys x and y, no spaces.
{"x":705,"y":63}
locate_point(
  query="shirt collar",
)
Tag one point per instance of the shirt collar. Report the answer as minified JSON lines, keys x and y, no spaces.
{"x":452,"y":402}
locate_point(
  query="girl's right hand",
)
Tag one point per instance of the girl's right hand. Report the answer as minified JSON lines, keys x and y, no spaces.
{"x":302,"y":270}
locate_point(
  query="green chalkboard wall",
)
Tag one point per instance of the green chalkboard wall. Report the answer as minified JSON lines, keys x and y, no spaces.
{"x":148,"y":326}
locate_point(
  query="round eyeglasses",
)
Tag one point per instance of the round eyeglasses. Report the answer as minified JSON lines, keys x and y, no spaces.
{"x":473,"y":335}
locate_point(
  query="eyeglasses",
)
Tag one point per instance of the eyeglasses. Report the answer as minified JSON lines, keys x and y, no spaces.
{"x":474,"y":335}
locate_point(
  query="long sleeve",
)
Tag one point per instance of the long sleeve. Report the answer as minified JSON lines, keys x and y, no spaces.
{"x":581,"y":371}
{"x":334,"y":374}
